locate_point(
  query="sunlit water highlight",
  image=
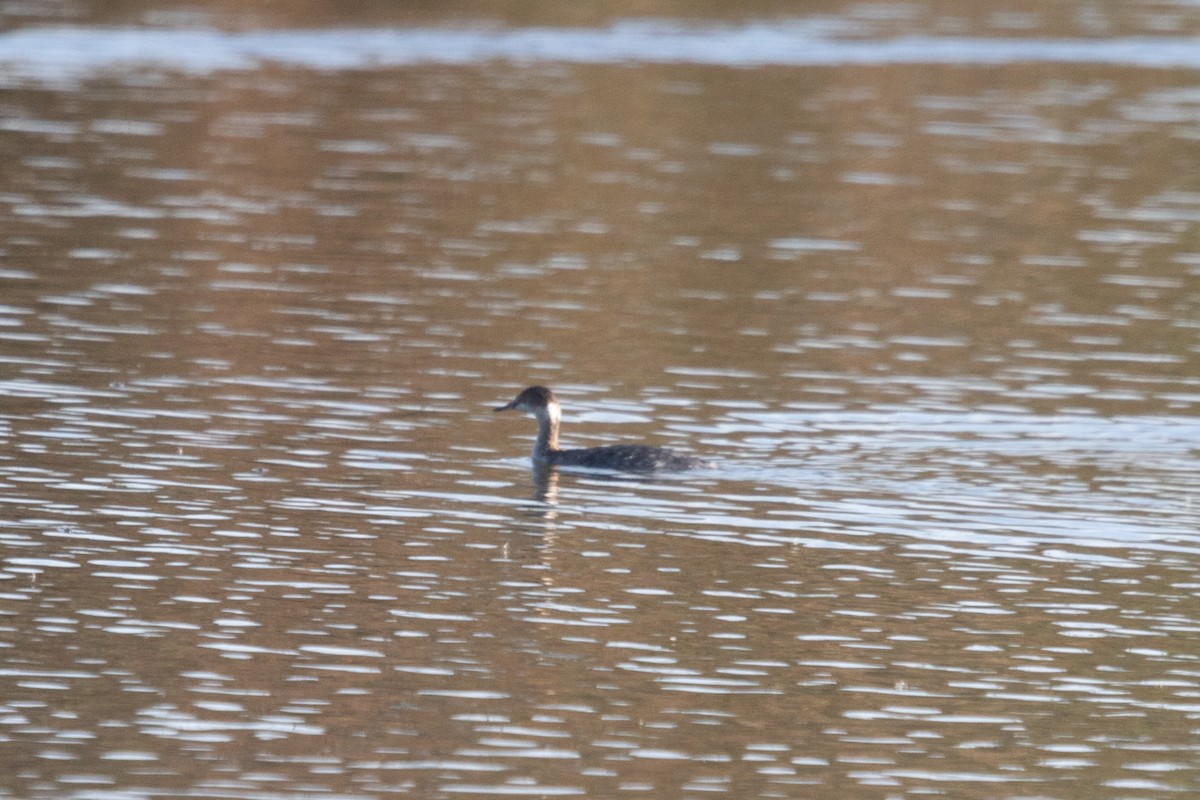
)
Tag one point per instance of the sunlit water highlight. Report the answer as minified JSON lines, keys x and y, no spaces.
{"x":62,"y":52}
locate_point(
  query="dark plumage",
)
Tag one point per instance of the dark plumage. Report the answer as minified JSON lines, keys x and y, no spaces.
{"x":541,"y":403}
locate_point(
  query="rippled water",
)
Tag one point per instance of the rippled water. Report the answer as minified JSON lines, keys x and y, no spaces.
{"x":934,"y":318}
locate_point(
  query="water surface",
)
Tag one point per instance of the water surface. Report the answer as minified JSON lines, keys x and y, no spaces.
{"x":934,"y":317}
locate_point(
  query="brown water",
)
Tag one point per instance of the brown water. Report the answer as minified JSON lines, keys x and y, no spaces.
{"x":261,"y":535}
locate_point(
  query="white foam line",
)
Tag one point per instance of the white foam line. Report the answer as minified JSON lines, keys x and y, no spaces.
{"x":61,"y":52}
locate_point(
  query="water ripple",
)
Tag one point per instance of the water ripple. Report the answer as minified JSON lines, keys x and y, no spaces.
{"x":58,"y":53}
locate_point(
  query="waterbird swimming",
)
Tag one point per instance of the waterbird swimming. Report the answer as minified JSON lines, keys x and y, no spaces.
{"x":540,"y":403}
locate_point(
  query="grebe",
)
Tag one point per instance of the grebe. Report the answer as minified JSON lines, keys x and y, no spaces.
{"x":540,"y":402}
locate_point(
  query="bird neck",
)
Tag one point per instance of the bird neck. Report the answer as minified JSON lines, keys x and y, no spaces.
{"x":547,"y":434}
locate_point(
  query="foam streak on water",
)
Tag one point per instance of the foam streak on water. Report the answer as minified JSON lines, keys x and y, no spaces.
{"x":60,"y":52}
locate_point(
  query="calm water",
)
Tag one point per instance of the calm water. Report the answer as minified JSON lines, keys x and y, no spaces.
{"x":932,"y":308}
